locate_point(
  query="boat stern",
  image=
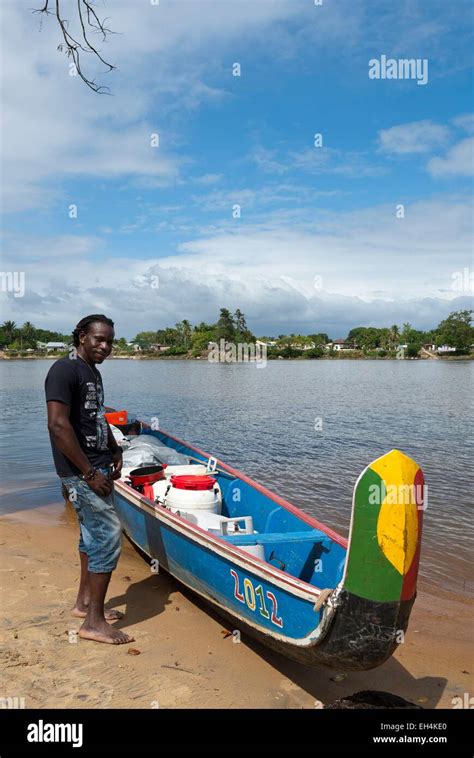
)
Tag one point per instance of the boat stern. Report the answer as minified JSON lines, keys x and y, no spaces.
{"x":378,"y":588}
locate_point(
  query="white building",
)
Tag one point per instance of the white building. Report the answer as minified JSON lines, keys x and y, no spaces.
{"x":56,"y":346}
{"x":341,"y":345}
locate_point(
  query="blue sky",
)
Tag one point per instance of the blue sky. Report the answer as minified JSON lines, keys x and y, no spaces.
{"x":318,"y":245}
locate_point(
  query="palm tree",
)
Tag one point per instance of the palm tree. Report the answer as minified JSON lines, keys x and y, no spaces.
{"x":28,"y":328}
{"x":9,"y":327}
{"x":394,"y":335}
{"x":28,"y":331}
{"x":406,"y":331}
{"x":239,"y":322}
{"x":187,"y":331}
{"x":225,"y":326}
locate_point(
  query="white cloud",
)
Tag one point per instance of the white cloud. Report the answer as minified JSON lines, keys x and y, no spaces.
{"x":255,"y":198}
{"x":168,"y":58}
{"x":458,"y":161}
{"x":328,"y":160}
{"x":54,"y":127}
{"x":465,"y":122}
{"x":374,"y":269}
{"x":207,"y":179}
{"x":316,"y":160}
{"x":267,"y":161}
{"x":415,"y":137}
{"x":354,"y":253}
{"x":21,"y":250}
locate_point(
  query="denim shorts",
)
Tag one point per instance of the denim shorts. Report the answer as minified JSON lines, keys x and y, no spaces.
{"x":100,"y":528}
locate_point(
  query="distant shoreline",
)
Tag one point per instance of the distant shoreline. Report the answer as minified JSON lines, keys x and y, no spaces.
{"x":338,"y":357}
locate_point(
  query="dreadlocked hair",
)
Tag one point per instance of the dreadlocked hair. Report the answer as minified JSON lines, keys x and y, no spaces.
{"x":84,"y":324}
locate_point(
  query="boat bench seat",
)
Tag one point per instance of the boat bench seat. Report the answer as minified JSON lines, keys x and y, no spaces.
{"x":279,"y":538}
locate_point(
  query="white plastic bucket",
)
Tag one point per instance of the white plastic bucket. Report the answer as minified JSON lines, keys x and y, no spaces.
{"x":193,"y":500}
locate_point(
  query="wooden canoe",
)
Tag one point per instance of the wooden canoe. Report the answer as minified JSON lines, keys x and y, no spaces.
{"x":316,"y":598}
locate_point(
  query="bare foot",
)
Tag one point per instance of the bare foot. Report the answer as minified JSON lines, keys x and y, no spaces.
{"x":80,"y":613}
{"x":104,"y":633}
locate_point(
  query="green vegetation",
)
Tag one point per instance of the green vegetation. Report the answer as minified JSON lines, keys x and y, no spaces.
{"x":371,"y":338}
{"x":457,"y":331}
{"x":184,"y":339}
{"x":21,"y":338}
{"x":412,"y":350}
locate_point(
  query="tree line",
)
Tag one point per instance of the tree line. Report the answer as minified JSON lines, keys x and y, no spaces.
{"x":456,"y":331}
{"x":183,"y":337}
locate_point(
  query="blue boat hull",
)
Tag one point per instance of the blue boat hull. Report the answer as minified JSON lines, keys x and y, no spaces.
{"x":229,"y":581}
{"x":290,"y":614}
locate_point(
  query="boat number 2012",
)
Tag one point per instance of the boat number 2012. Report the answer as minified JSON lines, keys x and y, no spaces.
{"x":255,"y":596}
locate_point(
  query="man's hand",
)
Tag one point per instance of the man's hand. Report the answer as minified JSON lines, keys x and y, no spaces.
{"x":100,"y":484}
{"x":118,"y":462}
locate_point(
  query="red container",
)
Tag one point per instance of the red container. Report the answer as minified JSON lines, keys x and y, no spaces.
{"x":190,"y":482}
{"x":117,"y":417}
{"x":142,"y":479}
{"x":146,"y":475}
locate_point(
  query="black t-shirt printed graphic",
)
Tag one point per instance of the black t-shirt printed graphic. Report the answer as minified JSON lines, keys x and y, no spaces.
{"x":79,"y":385}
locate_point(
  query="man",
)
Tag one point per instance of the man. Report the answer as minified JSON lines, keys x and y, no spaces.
{"x":87,"y":459}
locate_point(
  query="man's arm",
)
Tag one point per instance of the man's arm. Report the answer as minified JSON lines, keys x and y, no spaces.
{"x":66,"y":441}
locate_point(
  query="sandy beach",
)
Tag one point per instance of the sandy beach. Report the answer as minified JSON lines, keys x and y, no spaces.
{"x":187,"y":655}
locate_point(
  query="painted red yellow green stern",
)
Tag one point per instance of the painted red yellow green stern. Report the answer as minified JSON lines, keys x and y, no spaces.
{"x":378,"y":588}
{"x":385,"y":538}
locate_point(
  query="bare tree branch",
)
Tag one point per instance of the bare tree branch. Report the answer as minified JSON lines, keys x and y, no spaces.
{"x":90,"y":23}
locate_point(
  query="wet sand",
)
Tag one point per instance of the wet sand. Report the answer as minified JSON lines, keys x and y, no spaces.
{"x":188,"y":657}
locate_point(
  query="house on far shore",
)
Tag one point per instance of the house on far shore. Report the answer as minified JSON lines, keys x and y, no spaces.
{"x":302,"y":346}
{"x":268,"y":343}
{"x":429,"y":346}
{"x":159,"y":348}
{"x":53,"y":346}
{"x":134,"y":345}
{"x":446,"y":349}
{"x":341,"y":344}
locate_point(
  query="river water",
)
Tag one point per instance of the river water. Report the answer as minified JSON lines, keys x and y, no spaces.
{"x":305,"y":429}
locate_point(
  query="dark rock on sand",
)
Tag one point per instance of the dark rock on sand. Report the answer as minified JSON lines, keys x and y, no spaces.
{"x":372,"y":699}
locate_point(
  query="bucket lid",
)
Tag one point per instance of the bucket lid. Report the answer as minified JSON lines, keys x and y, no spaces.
{"x":191,"y":482}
